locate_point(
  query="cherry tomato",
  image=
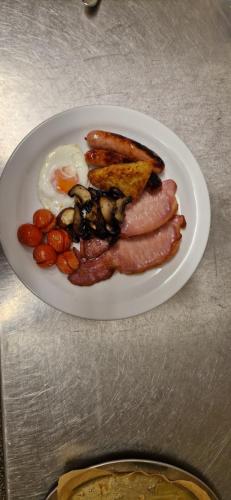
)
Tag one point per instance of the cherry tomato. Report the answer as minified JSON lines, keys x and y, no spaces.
{"x":44,"y":219}
{"x":29,"y":235}
{"x":59,"y":239}
{"x":44,"y":255}
{"x":67,"y":262}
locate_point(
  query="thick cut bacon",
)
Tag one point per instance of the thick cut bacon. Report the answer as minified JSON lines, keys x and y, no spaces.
{"x":151,"y":211}
{"x":133,"y":255}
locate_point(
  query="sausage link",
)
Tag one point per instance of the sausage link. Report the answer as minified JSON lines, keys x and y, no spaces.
{"x":104,"y":157}
{"x":134,"y":151}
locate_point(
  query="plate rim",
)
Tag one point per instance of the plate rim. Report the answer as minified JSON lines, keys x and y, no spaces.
{"x":203,"y":243}
{"x":156,"y":463}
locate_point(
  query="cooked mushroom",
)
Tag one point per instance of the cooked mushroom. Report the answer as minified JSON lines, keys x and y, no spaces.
{"x":77,"y":220}
{"x":107,"y":208}
{"x":113,"y":231}
{"x":97,"y":213}
{"x":85,"y":230}
{"x":101,"y":231}
{"x":95,"y":193}
{"x":89,"y":211}
{"x":80,"y":192}
{"x":115,"y":193}
{"x":120,"y":206}
{"x":65,"y":217}
{"x":73,"y":235}
{"x":154,"y":182}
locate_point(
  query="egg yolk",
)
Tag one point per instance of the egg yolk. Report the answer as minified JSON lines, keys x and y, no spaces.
{"x":64,"y":179}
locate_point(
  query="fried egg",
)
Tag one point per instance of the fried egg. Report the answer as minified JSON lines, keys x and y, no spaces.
{"x":63,"y":167}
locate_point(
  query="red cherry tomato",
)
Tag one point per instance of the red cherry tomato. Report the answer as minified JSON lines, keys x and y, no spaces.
{"x":59,"y":239}
{"x":44,"y":255}
{"x":29,"y":235}
{"x":67,"y":262}
{"x":44,"y":219}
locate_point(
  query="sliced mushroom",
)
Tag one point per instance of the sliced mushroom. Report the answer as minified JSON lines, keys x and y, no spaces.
{"x":115,"y":193}
{"x":113,"y":230}
{"x":100,"y":230}
{"x":80,"y":192}
{"x":89,"y":211}
{"x":86,"y":209}
{"x":95,"y":193}
{"x":97,"y":213}
{"x":154,"y":182}
{"x":107,"y":208}
{"x":86,"y":232}
{"x":77,"y":220}
{"x":65,"y":217}
{"x":73,"y":235}
{"x":120,"y":206}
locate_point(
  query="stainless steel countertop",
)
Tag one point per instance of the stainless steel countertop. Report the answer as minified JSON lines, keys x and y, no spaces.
{"x":155,"y":385}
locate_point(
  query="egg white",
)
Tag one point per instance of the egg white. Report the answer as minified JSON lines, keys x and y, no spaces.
{"x":71,"y":155}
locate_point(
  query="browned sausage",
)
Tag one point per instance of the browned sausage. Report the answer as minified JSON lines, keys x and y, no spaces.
{"x":104,"y":157}
{"x":132,"y":150}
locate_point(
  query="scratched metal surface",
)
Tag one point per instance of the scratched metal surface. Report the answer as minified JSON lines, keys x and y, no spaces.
{"x":158,"y":384}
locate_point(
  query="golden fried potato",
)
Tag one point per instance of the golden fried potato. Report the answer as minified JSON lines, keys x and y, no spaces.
{"x":130,"y":178}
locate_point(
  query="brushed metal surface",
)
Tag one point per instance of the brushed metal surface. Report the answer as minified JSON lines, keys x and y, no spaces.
{"x":148,"y":466}
{"x":76,"y":391}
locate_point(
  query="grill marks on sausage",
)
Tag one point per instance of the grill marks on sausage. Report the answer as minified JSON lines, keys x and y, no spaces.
{"x":103,"y":158}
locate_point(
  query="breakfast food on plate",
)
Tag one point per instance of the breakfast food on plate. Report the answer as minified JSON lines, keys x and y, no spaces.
{"x":131,"y":178}
{"x":52,"y":246}
{"x":152,"y":210}
{"x":147,"y":214}
{"x":63,"y":167}
{"x":44,"y":220}
{"x":90,"y":249}
{"x":95,"y":213}
{"x":68,"y":261}
{"x":29,"y":235}
{"x":128,"y":224}
{"x":103,"y":157}
{"x":132,"y":255}
{"x":132,"y":150}
{"x":44,"y":255}
{"x":59,"y":239}
{"x":101,"y":483}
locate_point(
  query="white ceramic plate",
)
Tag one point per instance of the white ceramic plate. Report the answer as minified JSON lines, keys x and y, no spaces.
{"x":170,"y":471}
{"x":121,"y":296}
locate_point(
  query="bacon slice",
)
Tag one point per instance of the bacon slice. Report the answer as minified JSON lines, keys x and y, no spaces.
{"x":140,"y":253}
{"x":151,"y":211}
{"x":94,"y":248}
{"x":92,"y":271}
{"x":133,"y":255}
